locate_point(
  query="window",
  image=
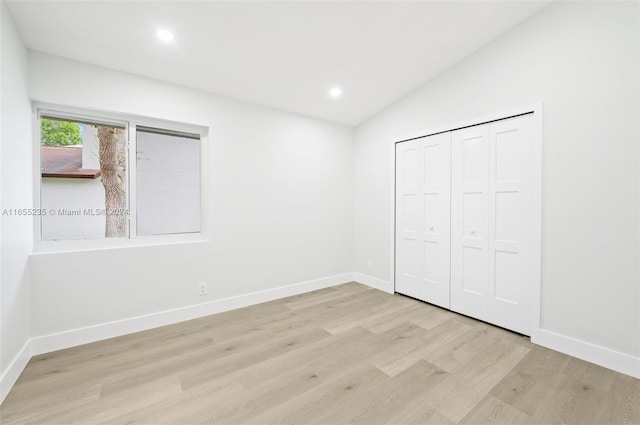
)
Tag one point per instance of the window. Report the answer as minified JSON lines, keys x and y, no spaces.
{"x":167,"y":182}
{"x":117,"y":179}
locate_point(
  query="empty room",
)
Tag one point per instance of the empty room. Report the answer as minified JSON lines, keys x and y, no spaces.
{"x":319,"y":212}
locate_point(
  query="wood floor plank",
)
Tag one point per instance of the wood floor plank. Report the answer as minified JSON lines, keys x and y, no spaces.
{"x":366,"y":317}
{"x":20,"y":408}
{"x":424,"y":315}
{"x":419,"y":413}
{"x":457,"y":395}
{"x":621,"y":404}
{"x":265,"y":395}
{"x":342,"y":355}
{"x":380,"y":403}
{"x":334,"y":395}
{"x":460,"y":350}
{"x":410,"y":348}
{"x":182,"y":409}
{"x":538,"y":372}
{"x":317,"y":356}
{"x":352,"y":355}
{"x":573,"y":401}
{"x":589,"y":373}
{"x":303,"y":301}
{"x":493,"y":411}
{"x":109,"y":407}
{"x":209,"y":370}
{"x":344,"y":306}
{"x":154,"y":368}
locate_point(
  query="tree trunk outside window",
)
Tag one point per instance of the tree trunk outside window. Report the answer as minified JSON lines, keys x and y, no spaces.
{"x":111,"y":147}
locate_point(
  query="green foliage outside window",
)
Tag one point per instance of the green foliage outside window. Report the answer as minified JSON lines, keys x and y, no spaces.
{"x":59,"y":133}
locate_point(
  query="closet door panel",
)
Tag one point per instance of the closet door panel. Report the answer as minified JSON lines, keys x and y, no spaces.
{"x":510,"y":206}
{"x":409,"y":207}
{"x":423,"y":218}
{"x":469,"y":221}
{"x":436,"y":192}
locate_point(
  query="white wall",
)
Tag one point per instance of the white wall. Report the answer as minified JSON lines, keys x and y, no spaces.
{"x":16,"y":158}
{"x":581,"y":59}
{"x":281,"y":207}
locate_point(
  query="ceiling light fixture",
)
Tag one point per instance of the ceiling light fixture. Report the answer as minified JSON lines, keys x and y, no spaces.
{"x":335,"y":92}
{"x":165,"y":35}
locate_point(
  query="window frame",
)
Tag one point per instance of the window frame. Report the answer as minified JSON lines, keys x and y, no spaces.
{"x":130,"y":122}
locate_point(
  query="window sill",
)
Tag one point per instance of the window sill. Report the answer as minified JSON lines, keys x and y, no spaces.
{"x":57,"y":247}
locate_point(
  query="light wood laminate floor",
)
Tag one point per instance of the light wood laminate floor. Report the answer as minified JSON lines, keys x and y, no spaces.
{"x":343,"y":355}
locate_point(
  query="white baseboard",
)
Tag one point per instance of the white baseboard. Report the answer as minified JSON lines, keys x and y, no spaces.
{"x":74,"y":337}
{"x":17,"y":365}
{"x":605,"y":357}
{"x":374,"y":282}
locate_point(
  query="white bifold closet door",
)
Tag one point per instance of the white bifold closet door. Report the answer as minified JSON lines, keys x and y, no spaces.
{"x":423,"y":177}
{"x":491,"y":223}
{"x":464,"y":211}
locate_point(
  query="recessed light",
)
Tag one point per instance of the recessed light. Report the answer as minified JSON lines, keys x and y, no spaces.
{"x":335,"y":92}
{"x":165,"y":35}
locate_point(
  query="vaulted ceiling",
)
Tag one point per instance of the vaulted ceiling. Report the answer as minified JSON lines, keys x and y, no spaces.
{"x":286,"y":55}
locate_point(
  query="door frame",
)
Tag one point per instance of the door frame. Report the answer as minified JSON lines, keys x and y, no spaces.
{"x":536,"y":222}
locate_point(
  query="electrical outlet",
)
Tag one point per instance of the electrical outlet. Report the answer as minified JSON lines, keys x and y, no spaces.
{"x":202,"y":288}
{"x":370,"y":265}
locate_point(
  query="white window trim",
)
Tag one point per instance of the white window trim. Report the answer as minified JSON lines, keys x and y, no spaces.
{"x":130,"y":121}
